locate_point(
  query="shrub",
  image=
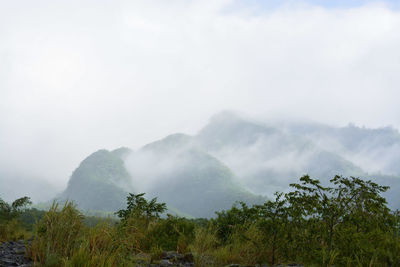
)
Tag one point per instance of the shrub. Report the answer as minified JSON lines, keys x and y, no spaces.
{"x":172,"y":233}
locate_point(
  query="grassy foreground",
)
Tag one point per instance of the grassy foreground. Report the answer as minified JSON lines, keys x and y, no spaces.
{"x":345,"y":224}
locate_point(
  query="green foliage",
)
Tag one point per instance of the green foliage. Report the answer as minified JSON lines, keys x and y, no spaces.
{"x":63,"y":239}
{"x":138,"y":206}
{"x":12,"y":231}
{"x":11,"y":227}
{"x":239,"y":216}
{"x":143,"y":230}
{"x":204,"y":245}
{"x":9,"y":212}
{"x":345,"y":223}
{"x":58,"y":234}
{"x":351,"y":205}
{"x":29,"y":217}
{"x":92,"y":221}
{"x":173,"y":233}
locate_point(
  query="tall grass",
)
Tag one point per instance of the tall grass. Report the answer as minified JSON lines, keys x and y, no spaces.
{"x":245,"y":246}
{"x":57,"y":235}
{"x":62,"y":239}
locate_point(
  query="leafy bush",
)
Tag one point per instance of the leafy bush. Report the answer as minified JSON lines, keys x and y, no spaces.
{"x":172,"y":233}
{"x":138,"y":206}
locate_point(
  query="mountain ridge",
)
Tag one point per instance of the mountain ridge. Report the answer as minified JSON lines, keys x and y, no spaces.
{"x":230,"y":159}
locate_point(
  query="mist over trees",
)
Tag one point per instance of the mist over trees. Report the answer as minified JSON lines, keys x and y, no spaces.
{"x":232,"y":158}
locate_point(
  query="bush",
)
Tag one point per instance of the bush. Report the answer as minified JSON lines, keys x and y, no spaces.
{"x":172,"y":233}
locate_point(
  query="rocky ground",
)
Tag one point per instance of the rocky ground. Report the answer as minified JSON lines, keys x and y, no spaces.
{"x":172,"y":259}
{"x":13,"y":254}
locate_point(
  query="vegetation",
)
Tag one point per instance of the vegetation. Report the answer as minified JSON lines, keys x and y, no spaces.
{"x":344,"y":223}
{"x":347,"y":224}
{"x":62,"y":238}
{"x":16,"y":220}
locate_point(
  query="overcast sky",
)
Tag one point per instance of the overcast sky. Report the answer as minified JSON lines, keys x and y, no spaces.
{"x":77,"y":76}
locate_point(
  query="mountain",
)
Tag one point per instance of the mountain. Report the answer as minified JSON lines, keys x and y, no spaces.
{"x":189,"y":180}
{"x":374,"y":150}
{"x":234,"y":158}
{"x":266,"y":157}
{"x":183,"y":175}
{"x":99,"y":182}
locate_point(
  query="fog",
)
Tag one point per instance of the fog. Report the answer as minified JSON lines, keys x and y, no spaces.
{"x":265,"y":156}
{"x":148,"y":167}
{"x":77,"y":76}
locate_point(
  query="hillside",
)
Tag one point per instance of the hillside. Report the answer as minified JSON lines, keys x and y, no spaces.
{"x":374,"y":150}
{"x":190,"y":181}
{"x":186,"y":177}
{"x":265,"y":157}
{"x":100,"y":182}
{"x":232,"y":159}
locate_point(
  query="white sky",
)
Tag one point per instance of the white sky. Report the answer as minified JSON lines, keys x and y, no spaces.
{"x":77,"y":76}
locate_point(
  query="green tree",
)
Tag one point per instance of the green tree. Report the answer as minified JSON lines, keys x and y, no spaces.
{"x":352,"y":206}
{"x":138,"y":206}
{"x":238,"y":216}
{"x":273,"y":219}
{"x":9,"y":212}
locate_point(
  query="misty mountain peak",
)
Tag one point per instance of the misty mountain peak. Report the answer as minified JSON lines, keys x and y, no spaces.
{"x":99,"y":181}
{"x":171,"y":142}
{"x":122,"y":152}
{"x":385,"y":136}
{"x":228,"y":128}
{"x":230,"y":159}
{"x":226,"y":115}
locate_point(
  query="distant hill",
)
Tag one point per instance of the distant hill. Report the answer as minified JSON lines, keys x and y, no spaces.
{"x":234,"y":158}
{"x":193,"y":184}
{"x":266,"y":157}
{"x":374,"y":150}
{"x":99,"y":182}
{"x":183,"y":175}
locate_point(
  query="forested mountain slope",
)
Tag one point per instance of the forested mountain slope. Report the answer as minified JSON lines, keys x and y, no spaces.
{"x":233,"y":159}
